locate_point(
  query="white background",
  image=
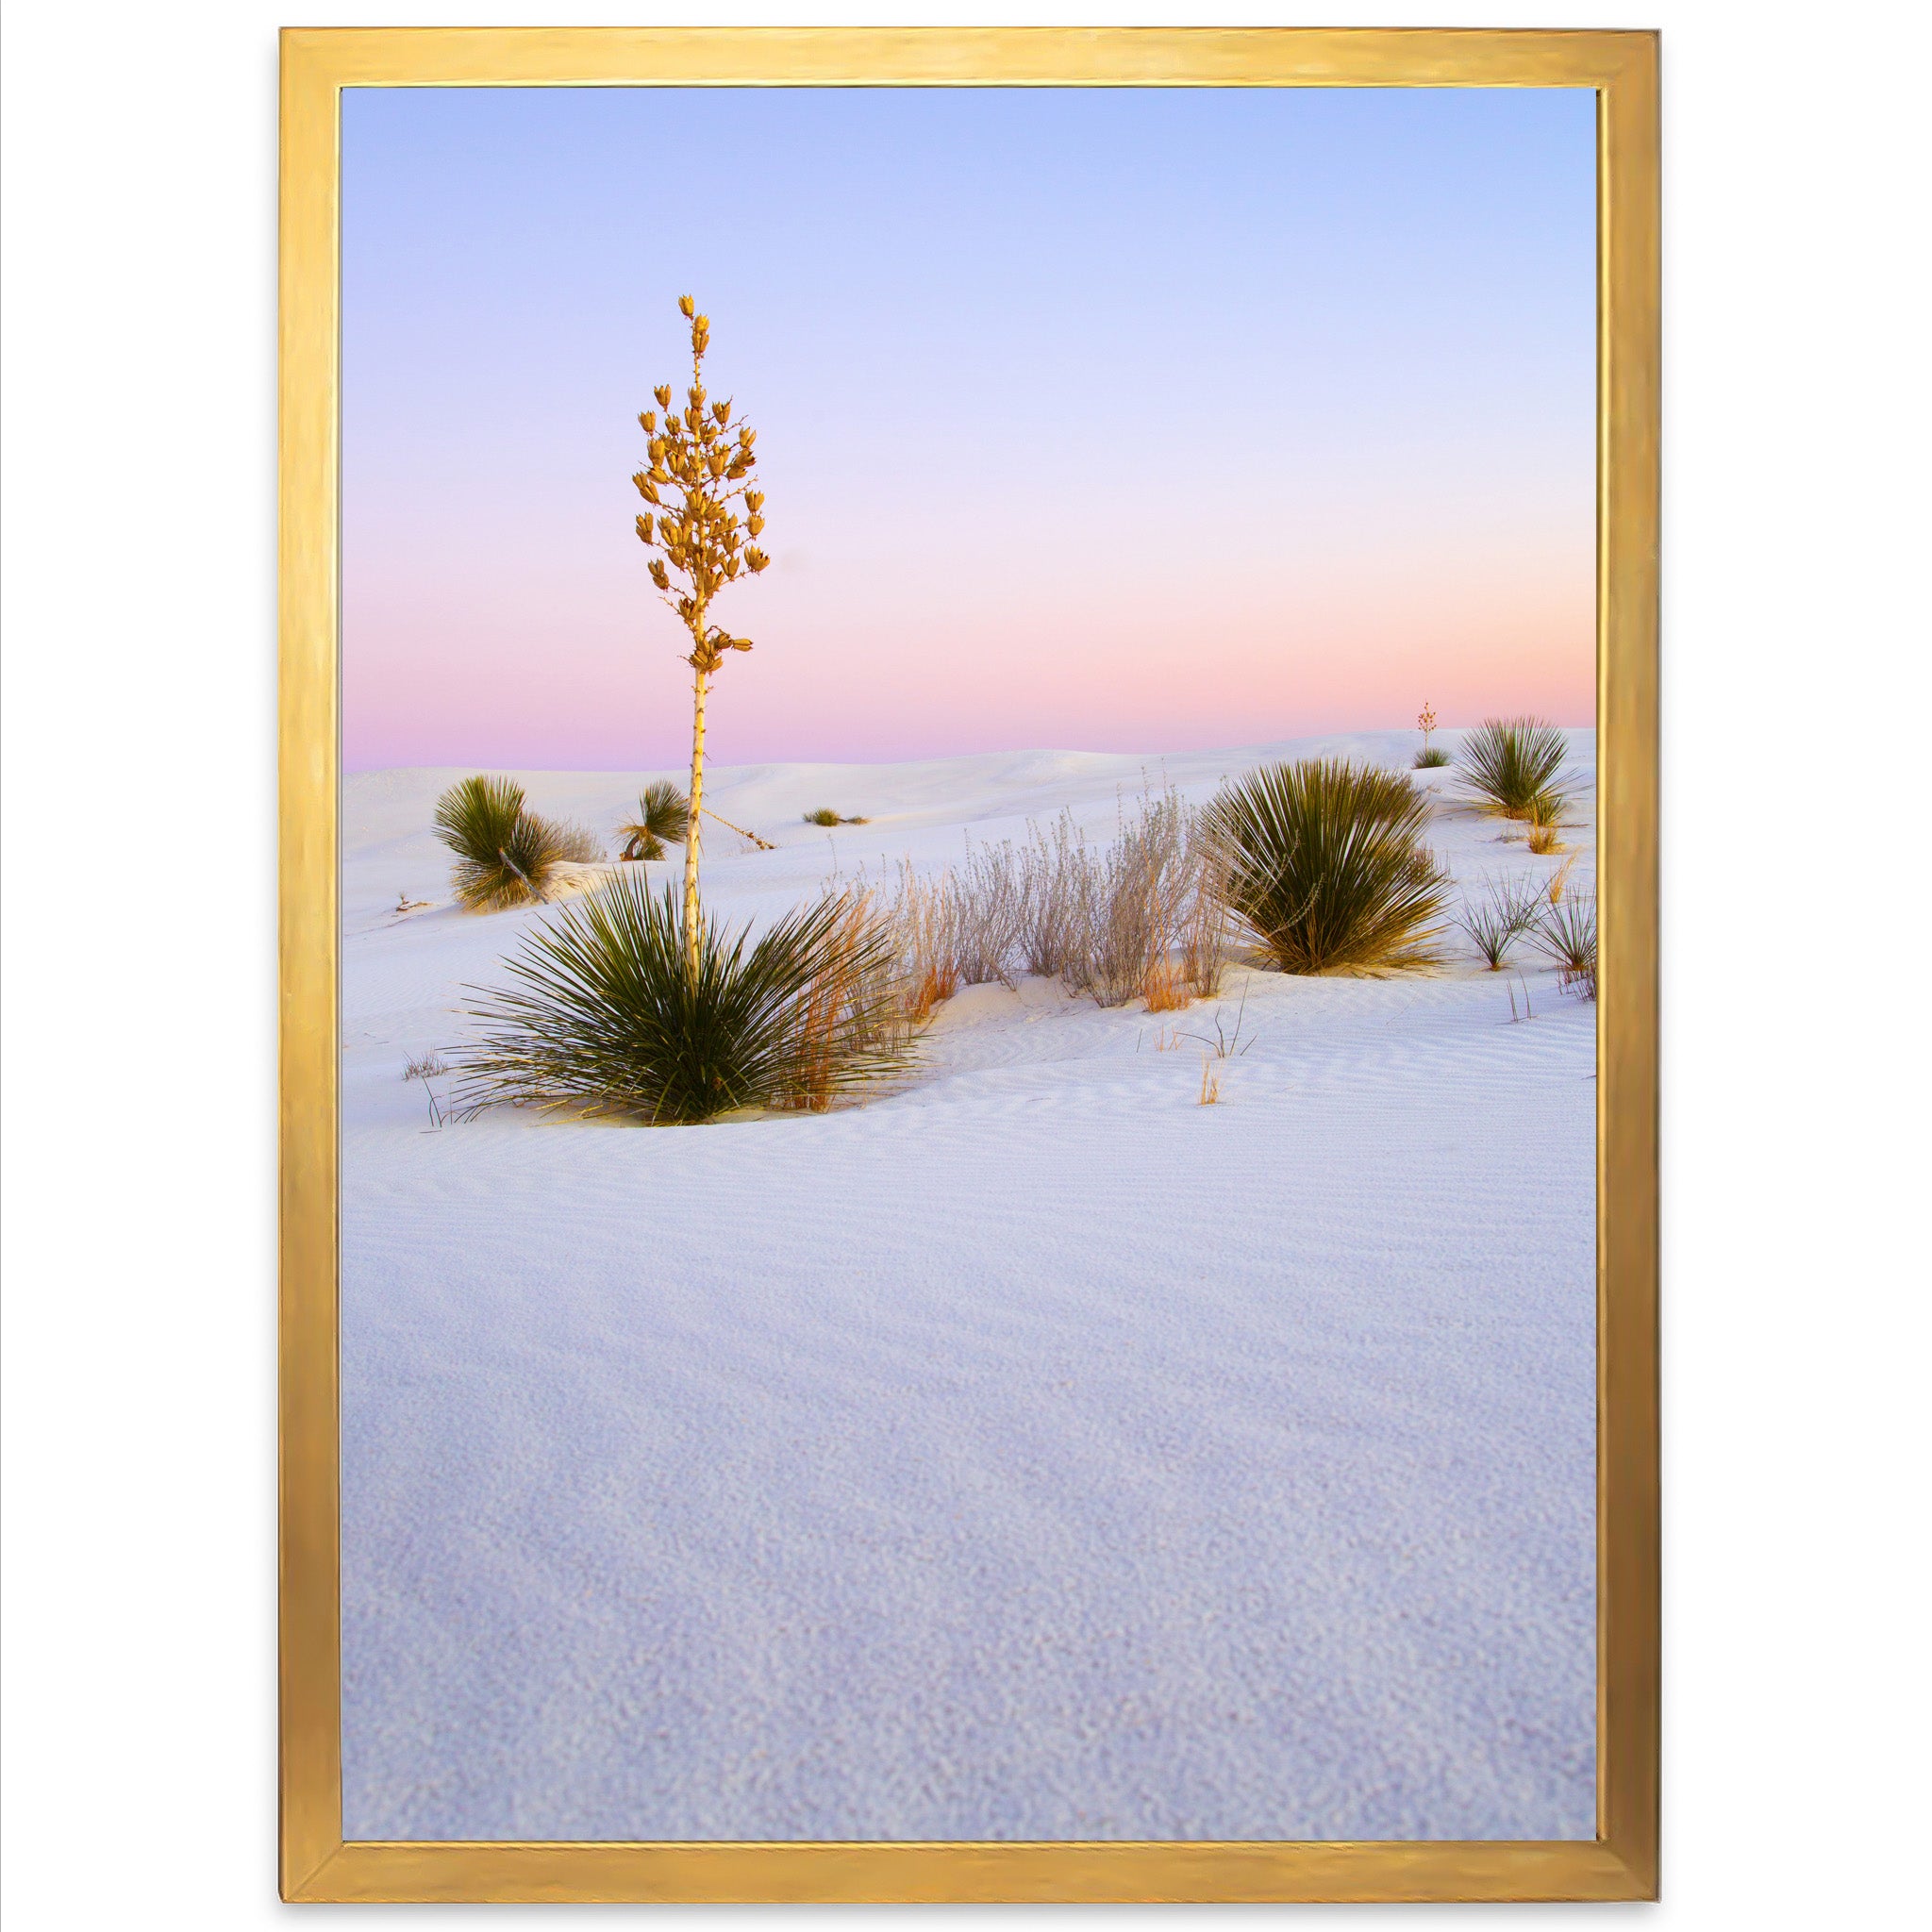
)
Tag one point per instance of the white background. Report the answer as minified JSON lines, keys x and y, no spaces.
{"x":139,"y":343}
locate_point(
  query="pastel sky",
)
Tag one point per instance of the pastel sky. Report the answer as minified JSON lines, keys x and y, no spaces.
{"x":1109,"y":419}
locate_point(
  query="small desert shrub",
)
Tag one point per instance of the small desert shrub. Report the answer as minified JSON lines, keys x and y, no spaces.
{"x":1430,"y":758}
{"x":1566,"y":933}
{"x":576,"y":844}
{"x":1506,"y":911}
{"x":1104,"y":922}
{"x":1327,"y":868}
{"x":824,"y":816}
{"x":1547,"y":813}
{"x":505,"y":854}
{"x":989,"y":905}
{"x":1165,"y":986}
{"x":925,"y":924}
{"x":605,"y":1015}
{"x":1141,"y":903}
{"x":1511,"y":762}
{"x":1203,"y":927}
{"x":1061,"y":886}
{"x":663,"y":818}
{"x":852,"y":1006}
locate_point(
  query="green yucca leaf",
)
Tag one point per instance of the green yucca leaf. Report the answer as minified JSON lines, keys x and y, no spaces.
{"x":1327,"y":869}
{"x":1511,"y":762}
{"x":505,"y":854}
{"x":663,"y":815}
{"x":606,"y":1014}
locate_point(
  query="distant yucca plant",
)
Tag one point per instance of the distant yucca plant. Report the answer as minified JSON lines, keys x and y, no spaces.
{"x":663,"y":817}
{"x":1431,"y":757}
{"x":1511,"y":762}
{"x":605,"y":1015}
{"x":505,"y":854}
{"x":1566,"y":933}
{"x":1506,"y":911}
{"x":1327,"y":869}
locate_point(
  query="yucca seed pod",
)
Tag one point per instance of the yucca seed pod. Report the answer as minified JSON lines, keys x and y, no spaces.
{"x":754,"y":524}
{"x":660,"y":576}
{"x":663,"y":395}
{"x":722,"y":412}
{"x":644,"y":530}
{"x":687,"y":307}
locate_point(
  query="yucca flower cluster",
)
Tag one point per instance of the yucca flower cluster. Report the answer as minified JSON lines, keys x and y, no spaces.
{"x":705,"y":460}
{"x":704,"y":519}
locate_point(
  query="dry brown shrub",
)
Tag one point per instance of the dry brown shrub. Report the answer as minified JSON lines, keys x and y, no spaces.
{"x":1165,"y":987}
{"x":851,"y":999}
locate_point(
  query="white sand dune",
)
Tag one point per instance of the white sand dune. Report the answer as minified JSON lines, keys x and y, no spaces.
{"x":1032,"y":1453}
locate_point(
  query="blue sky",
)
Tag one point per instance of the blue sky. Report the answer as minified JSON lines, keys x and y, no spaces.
{"x":1138,"y":419}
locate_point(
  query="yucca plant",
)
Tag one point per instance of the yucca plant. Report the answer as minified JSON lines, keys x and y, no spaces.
{"x":606,"y":1016}
{"x":1566,"y":934}
{"x":1326,"y":867}
{"x":1431,"y":756}
{"x":1506,"y":911}
{"x":1511,"y":762}
{"x":699,"y":460}
{"x":663,"y":817}
{"x":505,"y":854}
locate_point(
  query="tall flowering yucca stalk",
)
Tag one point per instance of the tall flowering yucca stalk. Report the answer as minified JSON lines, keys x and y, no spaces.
{"x":696,"y":478}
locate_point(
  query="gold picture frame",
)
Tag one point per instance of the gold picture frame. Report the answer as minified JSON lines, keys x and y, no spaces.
{"x":1622,"y":67}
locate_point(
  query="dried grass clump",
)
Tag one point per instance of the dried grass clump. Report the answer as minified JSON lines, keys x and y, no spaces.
{"x":1566,"y":933}
{"x":826,"y":816}
{"x":1143,"y":917}
{"x":606,"y":1017}
{"x":576,"y":844}
{"x":1508,"y":910}
{"x":851,"y":1006}
{"x":1060,"y":888}
{"x":1165,"y":986}
{"x":1547,"y":813}
{"x":1327,"y":868}
{"x":1510,"y":763}
{"x":506,"y":856}
{"x":663,"y":819}
{"x":925,"y":919}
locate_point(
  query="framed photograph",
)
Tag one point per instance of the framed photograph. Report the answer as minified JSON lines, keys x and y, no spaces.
{"x":968,"y":951}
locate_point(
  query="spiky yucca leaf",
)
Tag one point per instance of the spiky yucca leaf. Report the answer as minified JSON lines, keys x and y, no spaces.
{"x":663,"y":817}
{"x":607,"y":1016}
{"x":1508,"y":910}
{"x":1511,"y":762}
{"x":505,"y":854}
{"x":1326,"y":867}
{"x":1566,"y":933}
